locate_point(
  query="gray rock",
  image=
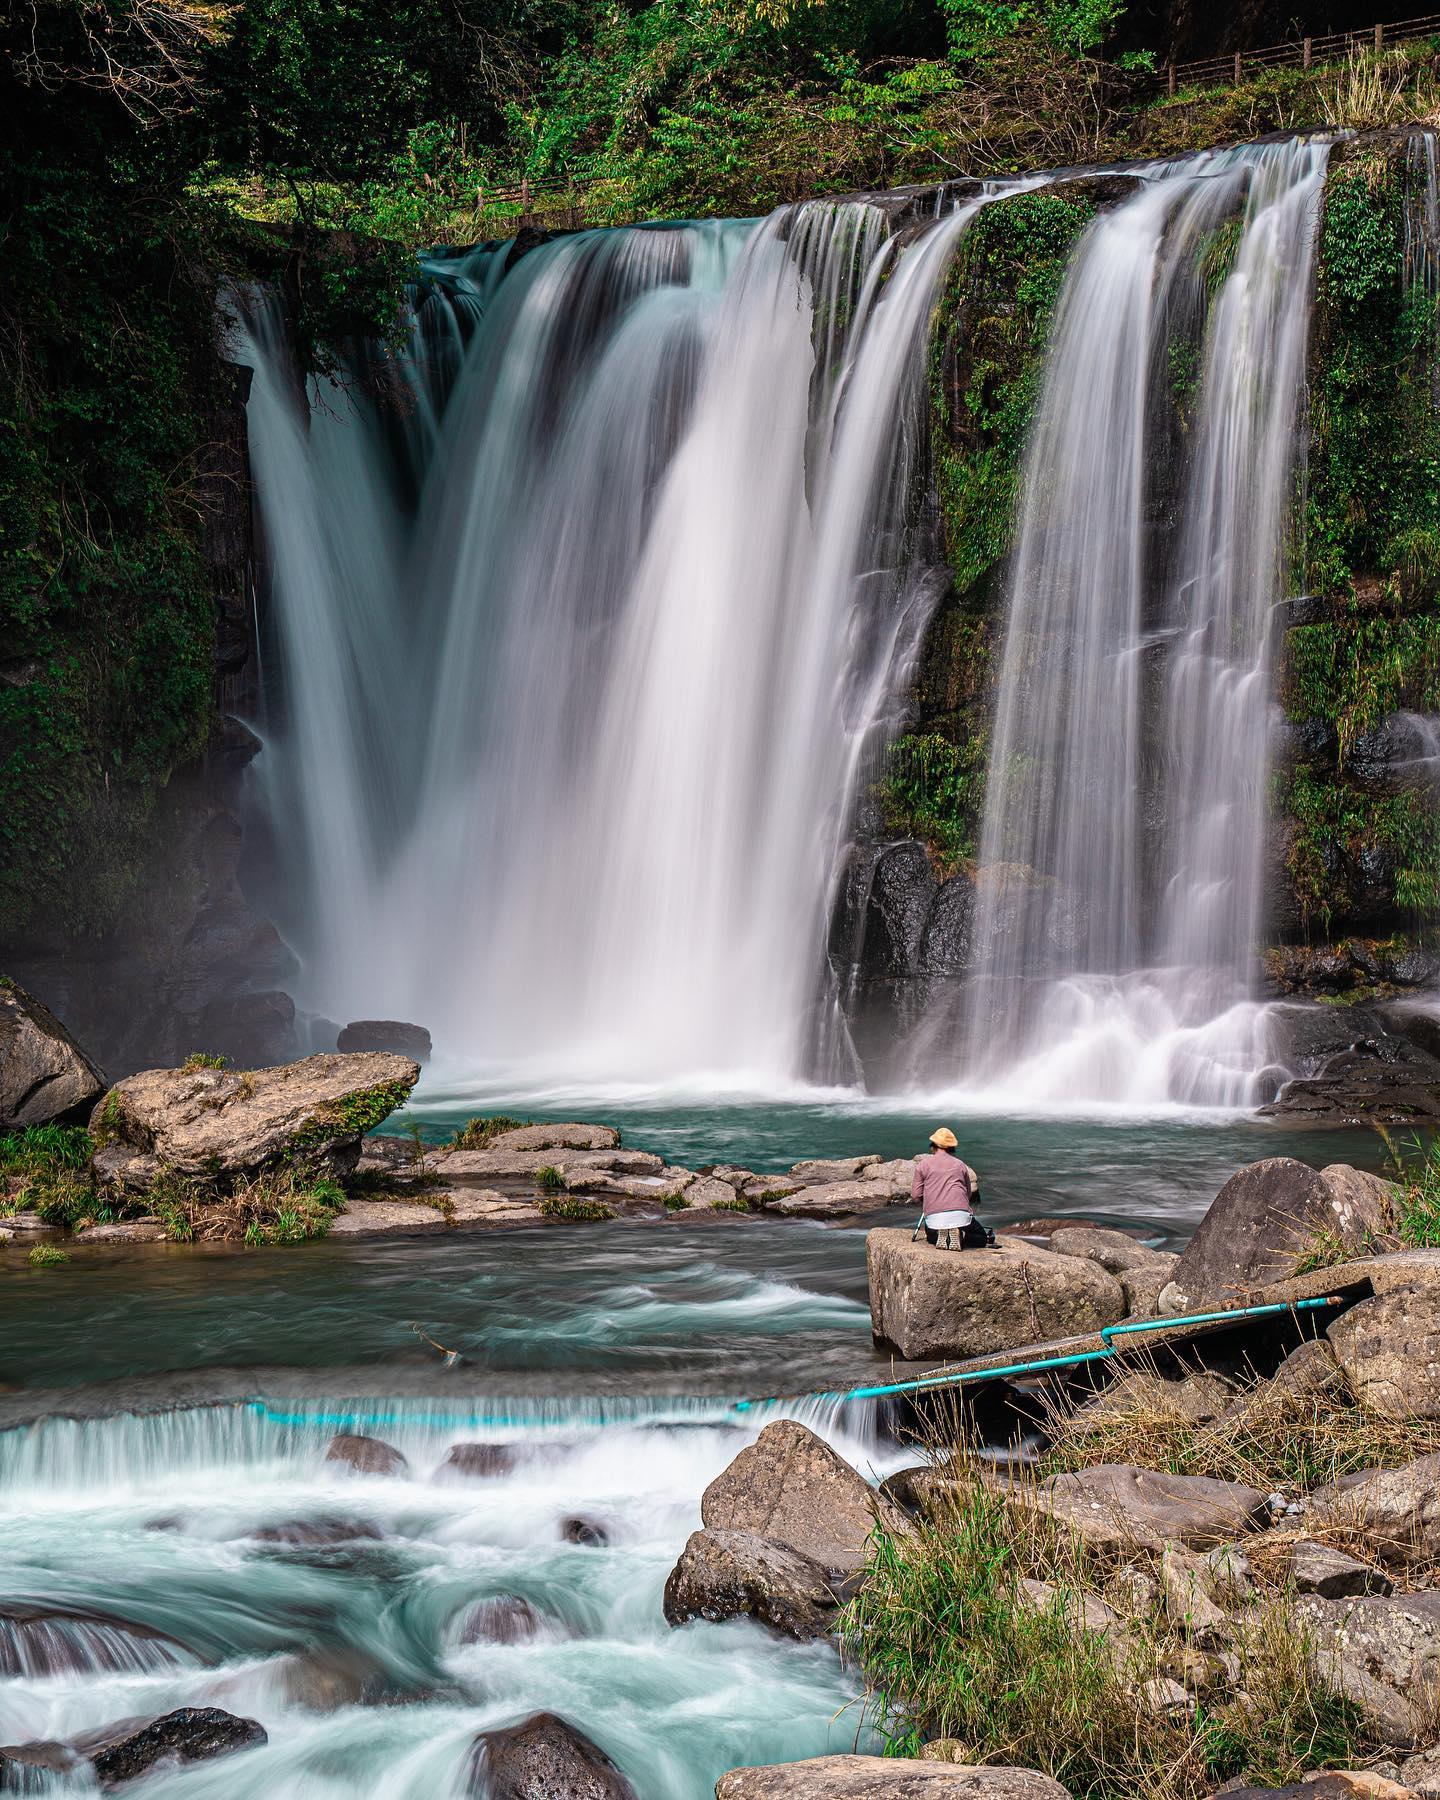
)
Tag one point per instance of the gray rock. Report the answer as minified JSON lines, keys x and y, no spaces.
{"x":543,"y":1759}
{"x":501,"y":1619}
{"x":1087,"y":1612}
{"x":837,"y":1200}
{"x":733,"y":1574}
{"x":1196,"y":1398}
{"x":557,"y":1137}
{"x":1383,"y":1654}
{"x":764,"y":1189}
{"x":1263,"y":1221}
{"x":1421,"y":1774}
{"x":927,"y":1302}
{"x":1397,"y":1511}
{"x":818,"y":1172}
{"x":510,"y":1165}
{"x":1185,"y":1582}
{"x":947,"y":942}
{"x":222,"y":1124}
{"x":476,"y":1462}
{"x":790,"y":1486}
{"x":1113,"y":1250}
{"x":365,"y":1455}
{"x":886,"y":1778}
{"x":44,"y":1074}
{"x":1143,"y":1287}
{"x":1389,"y":1349}
{"x":706,"y":1193}
{"x":1322,"y":1569}
{"x":902,"y":889}
{"x":1116,"y":1507}
{"x":386,"y":1034}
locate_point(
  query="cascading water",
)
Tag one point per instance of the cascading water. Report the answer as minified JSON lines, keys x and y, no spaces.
{"x":567,"y":748}
{"x":1119,"y":883}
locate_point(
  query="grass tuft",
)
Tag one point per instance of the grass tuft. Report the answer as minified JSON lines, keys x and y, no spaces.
{"x":476,"y":1134}
{"x":574,"y":1206}
{"x":46,"y":1256}
{"x":203,"y":1059}
{"x":550,"y":1180}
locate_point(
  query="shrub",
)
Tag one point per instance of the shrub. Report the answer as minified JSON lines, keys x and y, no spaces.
{"x":674,"y":1203}
{"x":202,"y":1059}
{"x":574,"y":1206}
{"x":46,"y":1256}
{"x":476,"y":1134}
{"x":1415,"y":1169}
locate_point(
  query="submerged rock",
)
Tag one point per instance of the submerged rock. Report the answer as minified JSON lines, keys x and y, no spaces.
{"x":386,"y":1034}
{"x":311,"y":1534}
{"x":219,"y":1123}
{"x":587,"y":1532}
{"x":477,"y":1462}
{"x":365,"y":1455}
{"x":926,"y":1302}
{"x":886,"y":1778}
{"x":791,"y":1487}
{"x":543,"y":1759}
{"x":734,"y":1574}
{"x":44,"y":1074}
{"x":502,"y":1619}
{"x":39,"y":1641}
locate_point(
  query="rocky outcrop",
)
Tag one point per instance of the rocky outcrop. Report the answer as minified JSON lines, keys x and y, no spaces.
{"x":1265,"y":1219}
{"x":219,"y":1124}
{"x":734,"y":1574}
{"x":1322,"y":1569}
{"x":1117,"y":1508}
{"x":927,"y":1302}
{"x":1395,"y":1512}
{"x":1389,"y":1350}
{"x":886,"y":1778}
{"x":1353,"y":1064}
{"x":365,"y":1455}
{"x":791,"y":1487}
{"x":130,"y":1748}
{"x":44,"y":1074}
{"x":1382,"y":1654}
{"x":394,"y":1035}
{"x":543,"y":1759}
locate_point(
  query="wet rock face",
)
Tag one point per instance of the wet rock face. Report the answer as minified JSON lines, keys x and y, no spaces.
{"x":902,"y":891}
{"x":502,"y":1619}
{"x":44,"y":1074}
{"x":223,"y":1123}
{"x":191,"y":1734}
{"x":734,"y":1574}
{"x":927,"y":1302}
{"x":476,"y":1462}
{"x":543,"y":1759}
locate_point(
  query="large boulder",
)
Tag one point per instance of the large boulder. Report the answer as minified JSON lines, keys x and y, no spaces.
{"x":543,"y":1759}
{"x":225,"y":1125}
{"x":395,"y":1035}
{"x":790,"y":1486}
{"x":1382,"y":1653}
{"x":735,"y":1574}
{"x":1396,"y":1512}
{"x":1115,"y":1507}
{"x":927,"y":1302}
{"x":1267,"y":1217}
{"x":365,"y":1455}
{"x":44,"y":1074}
{"x":886,"y":1778}
{"x":1389,"y":1349}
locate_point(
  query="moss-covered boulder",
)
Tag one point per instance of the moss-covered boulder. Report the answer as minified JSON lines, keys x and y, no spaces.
{"x":223,"y":1125}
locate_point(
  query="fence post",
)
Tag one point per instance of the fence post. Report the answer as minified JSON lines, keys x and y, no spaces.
{"x":1170,"y":79}
{"x":1305,"y":55}
{"x":1379,"y":39}
{"x":1237,"y":68}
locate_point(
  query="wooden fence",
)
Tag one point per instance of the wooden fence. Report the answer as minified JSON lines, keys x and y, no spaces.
{"x":1302,"y":53}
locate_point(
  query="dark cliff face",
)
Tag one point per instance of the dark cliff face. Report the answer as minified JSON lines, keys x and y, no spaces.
{"x":1188,"y":30}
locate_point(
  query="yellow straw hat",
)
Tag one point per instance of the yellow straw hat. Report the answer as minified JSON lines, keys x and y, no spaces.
{"x":944,"y":1138}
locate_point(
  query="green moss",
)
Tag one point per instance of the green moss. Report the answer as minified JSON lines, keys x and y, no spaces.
{"x":1329,"y":816}
{"x":1373,"y":509}
{"x":1354,"y":670}
{"x":351,"y":1116}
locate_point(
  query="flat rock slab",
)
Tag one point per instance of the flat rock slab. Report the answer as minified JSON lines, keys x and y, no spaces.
{"x":519,"y":1165}
{"x":458,"y":1209}
{"x":44,"y":1074}
{"x":926,"y":1302}
{"x":219,"y":1122}
{"x":885,"y":1778}
{"x":837,"y":1200}
{"x":790,"y":1486}
{"x":557,"y":1137}
{"x":1115,"y":1506}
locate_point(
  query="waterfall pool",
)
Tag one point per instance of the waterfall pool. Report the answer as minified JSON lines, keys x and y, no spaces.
{"x":164,"y":1413}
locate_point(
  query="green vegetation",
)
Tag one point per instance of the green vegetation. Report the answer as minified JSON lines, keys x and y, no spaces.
{"x":280,"y":1206}
{"x":934,"y":790}
{"x":46,"y":1256}
{"x":45,"y":1169}
{"x":963,"y":1659}
{"x":1415,"y":1169}
{"x":201,"y":1059}
{"x":477,"y":1134}
{"x":550,"y":1180}
{"x":574,"y":1206}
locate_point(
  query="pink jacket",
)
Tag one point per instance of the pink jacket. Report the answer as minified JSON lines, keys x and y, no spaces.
{"x":943,"y":1184}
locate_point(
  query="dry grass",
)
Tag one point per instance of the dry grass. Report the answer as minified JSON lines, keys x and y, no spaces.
{"x":282,"y":1206}
{"x":1397,"y":87}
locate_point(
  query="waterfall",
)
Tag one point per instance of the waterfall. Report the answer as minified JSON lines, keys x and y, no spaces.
{"x":1120,"y":871}
{"x":578,"y":664}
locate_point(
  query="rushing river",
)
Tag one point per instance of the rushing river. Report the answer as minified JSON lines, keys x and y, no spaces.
{"x":165,"y":1413}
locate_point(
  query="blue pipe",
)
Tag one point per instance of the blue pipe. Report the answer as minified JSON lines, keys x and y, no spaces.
{"x":1108,"y":1332}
